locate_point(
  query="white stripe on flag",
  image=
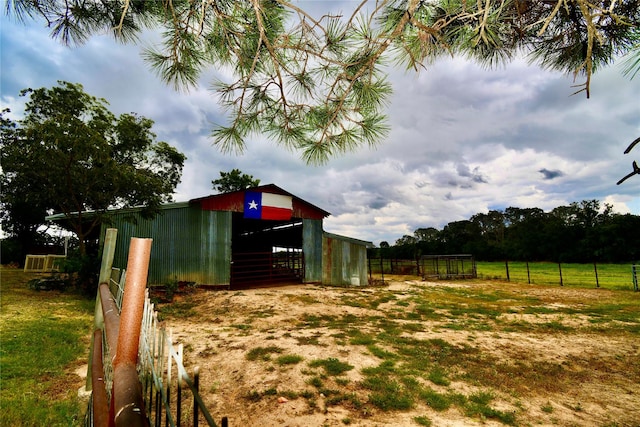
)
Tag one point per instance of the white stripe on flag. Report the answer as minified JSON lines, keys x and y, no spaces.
{"x":277,"y":201}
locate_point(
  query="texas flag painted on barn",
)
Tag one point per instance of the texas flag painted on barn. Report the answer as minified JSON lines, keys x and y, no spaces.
{"x":267,"y":206}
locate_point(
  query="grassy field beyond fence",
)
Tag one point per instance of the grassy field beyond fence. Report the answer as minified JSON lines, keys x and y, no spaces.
{"x":609,"y":276}
{"x":44,"y":340}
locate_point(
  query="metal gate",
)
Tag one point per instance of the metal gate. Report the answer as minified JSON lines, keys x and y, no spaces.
{"x":266,"y":268}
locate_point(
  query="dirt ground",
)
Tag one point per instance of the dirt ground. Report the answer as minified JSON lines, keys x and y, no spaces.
{"x":220,"y":328}
{"x":597,"y":362}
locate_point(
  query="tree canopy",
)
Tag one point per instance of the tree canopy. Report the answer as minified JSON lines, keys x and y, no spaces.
{"x":315,"y":82}
{"x":71,"y":155}
{"x":579,"y":232}
{"x":233,"y":181}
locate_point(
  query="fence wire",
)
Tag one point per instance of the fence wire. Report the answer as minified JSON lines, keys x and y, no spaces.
{"x":171,"y":395}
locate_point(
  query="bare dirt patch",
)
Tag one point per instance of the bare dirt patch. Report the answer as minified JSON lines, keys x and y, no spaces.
{"x":537,"y":355}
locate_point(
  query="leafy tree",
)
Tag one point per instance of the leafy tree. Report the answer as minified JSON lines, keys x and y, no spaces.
{"x":316,"y":83}
{"x":580,"y":232}
{"x":429,"y":234}
{"x":234,"y":181}
{"x":492,"y":233}
{"x":71,"y":155}
{"x":17,"y":202}
{"x":461,"y":236}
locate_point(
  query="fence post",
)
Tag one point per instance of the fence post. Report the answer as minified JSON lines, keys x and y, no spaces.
{"x":595,"y":269}
{"x":100,"y":404}
{"x":560,"y":270}
{"x":108,"y":252}
{"x":127,"y":393}
{"x":506,"y":265}
{"x":196,"y":386}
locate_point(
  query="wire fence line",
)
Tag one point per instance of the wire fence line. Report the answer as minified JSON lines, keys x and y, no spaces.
{"x":169,"y":395}
{"x":453,"y":267}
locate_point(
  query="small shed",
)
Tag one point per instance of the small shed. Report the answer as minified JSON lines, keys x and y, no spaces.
{"x":258,"y":236}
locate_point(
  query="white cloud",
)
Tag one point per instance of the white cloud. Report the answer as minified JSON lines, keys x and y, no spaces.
{"x":464,"y":140}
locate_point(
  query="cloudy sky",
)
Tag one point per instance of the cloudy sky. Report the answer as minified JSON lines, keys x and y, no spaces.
{"x":464,"y":140}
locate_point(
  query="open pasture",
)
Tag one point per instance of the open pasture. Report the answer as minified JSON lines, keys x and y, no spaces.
{"x":415,"y":353}
{"x":407,"y":353}
{"x":607,"y":276}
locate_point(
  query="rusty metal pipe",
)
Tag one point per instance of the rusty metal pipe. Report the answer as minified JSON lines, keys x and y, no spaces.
{"x":127,"y":392}
{"x":100,"y":401}
{"x":111,"y":318}
{"x":127,"y":395}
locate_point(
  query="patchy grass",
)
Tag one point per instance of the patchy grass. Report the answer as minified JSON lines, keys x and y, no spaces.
{"x":176,"y":310}
{"x":45,"y":338}
{"x":512,"y":354}
{"x":289,"y":359}
{"x":263,"y":353}
{"x":332,"y":366}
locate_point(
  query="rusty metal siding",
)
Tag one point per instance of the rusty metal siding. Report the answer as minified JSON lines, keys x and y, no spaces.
{"x":188,"y":244}
{"x":234,"y":201}
{"x":215,"y":249}
{"x":312,"y":250}
{"x":345,"y":261}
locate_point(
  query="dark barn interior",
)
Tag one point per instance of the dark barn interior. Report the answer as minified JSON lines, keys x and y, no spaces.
{"x":265,"y":252}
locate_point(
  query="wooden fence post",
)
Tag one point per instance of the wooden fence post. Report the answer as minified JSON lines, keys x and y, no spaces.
{"x":108,"y":252}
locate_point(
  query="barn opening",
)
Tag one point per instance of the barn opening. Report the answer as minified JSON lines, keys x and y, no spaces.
{"x":265,"y":252}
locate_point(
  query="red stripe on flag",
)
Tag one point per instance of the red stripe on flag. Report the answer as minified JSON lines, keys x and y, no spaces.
{"x":270,"y":212}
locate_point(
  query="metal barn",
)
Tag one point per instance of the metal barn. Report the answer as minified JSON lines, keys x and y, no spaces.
{"x":259,"y":236}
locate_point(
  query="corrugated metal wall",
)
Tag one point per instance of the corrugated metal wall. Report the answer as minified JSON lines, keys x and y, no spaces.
{"x":188,"y":244}
{"x":312,"y":250}
{"x":345,"y":262}
{"x":194,"y":245}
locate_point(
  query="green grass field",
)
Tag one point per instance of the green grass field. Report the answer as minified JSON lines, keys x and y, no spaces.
{"x":609,"y":276}
{"x":44,"y":339}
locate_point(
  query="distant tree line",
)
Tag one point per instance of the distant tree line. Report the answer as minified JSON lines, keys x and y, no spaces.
{"x":581,"y":232}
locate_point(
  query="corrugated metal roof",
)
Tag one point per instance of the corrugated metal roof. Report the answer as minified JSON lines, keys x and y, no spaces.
{"x":349,"y":239}
{"x":88,"y":214}
{"x":233,"y":201}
